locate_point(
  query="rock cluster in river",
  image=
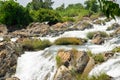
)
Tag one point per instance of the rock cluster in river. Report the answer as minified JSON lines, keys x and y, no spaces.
{"x":73,"y":61}
{"x":9,"y":53}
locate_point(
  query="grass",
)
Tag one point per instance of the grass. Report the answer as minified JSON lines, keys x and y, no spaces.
{"x":117,"y":49}
{"x":98,"y":58}
{"x":35,"y":44}
{"x":91,"y":34}
{"x":68,"y":41}
{"x":58,"y":61}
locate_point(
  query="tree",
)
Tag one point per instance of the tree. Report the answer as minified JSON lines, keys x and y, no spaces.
{"x":13,"y":14}
{"x":92,"y":5}
{"x":61,"y":8}
{"x":46,"y":15}
{"x":109,"y":8}
{"x":37,"y":4}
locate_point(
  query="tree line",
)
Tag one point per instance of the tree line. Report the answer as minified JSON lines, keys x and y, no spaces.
{"x":15,"y":15}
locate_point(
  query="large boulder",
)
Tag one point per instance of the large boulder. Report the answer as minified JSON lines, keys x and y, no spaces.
{"x":72,"y":62}
{"x":82,"y":25}
{"x":97,"y":39}
{"x":9,"y":53}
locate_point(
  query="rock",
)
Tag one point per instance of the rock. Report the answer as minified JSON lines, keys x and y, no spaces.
{"x":83,"y":25}
{"x":63,"y":73}
{"x":13,"y":78}
{"x":113,"y":26}
{"x":73,"y":61}
{"x":89,"y":66}
{"x":116,"y":32}
{"x":33,"y":29}
{"x":3,"y":30}
{"x":97,"y":39}
{"x":9,"y":53}
{"x":61,"y":26}
{"x":99,"y":22}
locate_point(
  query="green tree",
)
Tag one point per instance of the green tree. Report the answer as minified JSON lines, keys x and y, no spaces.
{"x":37,"y":4}
{"x":109,"y":8}
{"x":61,"y":8}
{"x":13,"y":14}
{"x":92,"y":5}
{"x":46,"y":15}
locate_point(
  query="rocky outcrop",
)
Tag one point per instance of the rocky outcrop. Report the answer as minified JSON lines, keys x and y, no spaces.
{"x":99,"y":22}
{"x":34,"y":29}
{"x":116,"y":32}
{"x":113,"y":26}
{"x":97,"y":39}
{"x":73,"y":62}
{"x":3,"y":30}
{"x":83,"y":25}
{"x":9,"y":53}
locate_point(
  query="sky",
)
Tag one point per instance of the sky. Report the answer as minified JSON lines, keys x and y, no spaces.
{"x":58,"y":2}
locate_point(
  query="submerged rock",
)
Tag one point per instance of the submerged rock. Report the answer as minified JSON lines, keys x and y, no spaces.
{"x":13,"y":78}
{"x":9,"y":53}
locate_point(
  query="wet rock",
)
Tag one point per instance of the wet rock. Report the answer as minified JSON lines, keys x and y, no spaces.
{"x":113,"y":26}
{"x":99,"y":22}
{"x":97,"y":39}
{"x":9,"y":53}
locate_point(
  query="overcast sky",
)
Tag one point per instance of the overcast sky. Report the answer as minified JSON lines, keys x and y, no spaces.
{"x":57,"y":2}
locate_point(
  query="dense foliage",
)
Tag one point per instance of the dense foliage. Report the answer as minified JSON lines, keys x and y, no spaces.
{"x":92,"y":5}
{"x":109,"y":8}
{"x":13,"y":14}
{"x":37,"y":4}
{"x":46,"y":15}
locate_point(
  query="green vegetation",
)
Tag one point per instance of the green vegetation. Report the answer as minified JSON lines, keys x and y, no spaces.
{"x":92,"y":5}
{"x":68,"y":41}
{"x":58,"y":61}
{"x":38,"y":4}
{"x":99,"y":58}
{"x":109,"y":8}
{"x":117,"y":49}
{"x":35,"y":44}
{"x":91,"y":34}
{"x":46,"y":15}
{"x":78,"y":76}
{"x":13,"y":14}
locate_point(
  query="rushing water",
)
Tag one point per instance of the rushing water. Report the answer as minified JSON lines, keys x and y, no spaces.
{"x":41,"y":65}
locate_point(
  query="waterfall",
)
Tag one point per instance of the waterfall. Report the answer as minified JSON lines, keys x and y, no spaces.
{"x":41,"y":65}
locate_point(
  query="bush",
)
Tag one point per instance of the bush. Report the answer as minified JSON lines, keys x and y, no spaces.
{"x":13,"y":14}
{"x":99,"y":58}
{"x":35,"y":44}
{"x":58,"y":61}
{"x":68,"y":41}
{"x":46,"y":15}
{"x":91,"y":34}
{"x":117,"y":49}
